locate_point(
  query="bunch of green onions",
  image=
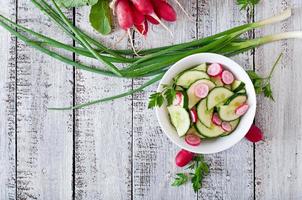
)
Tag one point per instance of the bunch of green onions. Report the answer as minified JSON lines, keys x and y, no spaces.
{"x":151,"y":62}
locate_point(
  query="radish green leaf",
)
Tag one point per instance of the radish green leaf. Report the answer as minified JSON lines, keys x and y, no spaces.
{"x":100,"y":17}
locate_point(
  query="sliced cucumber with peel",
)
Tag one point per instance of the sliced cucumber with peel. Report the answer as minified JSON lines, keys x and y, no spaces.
{"x":192,"y":130}
{"x":227,"y":112}
{"x":193,"y":99}
{"x":237,"y":86}
{"x":204,"y":115}
{"x":212,"y":132}
{"x":180,"y":119}
{"x":189,"y":77}
{"x":218,"y":95}
{"x":217,"y":80}
{"x":201,"y":67}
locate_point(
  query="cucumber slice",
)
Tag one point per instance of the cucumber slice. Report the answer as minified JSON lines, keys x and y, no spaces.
{"x":237,"y":86}
{"x":217,"y":80}
{"x":178,"y":88}
{"x":192,"y":130}
{"x":236,"y":100}
{"x":201,"y":67}
{"x":189,"y":77}
{"x":234,"y":125}
{"x":227,"y":112}
{"x":180,"y":119}
{"x":218,"y":95}
{"x":190,"y":92}
{"x":212,"y":132}
{"x":204,"y":115}
{"x":228,"y":87}
{"x":243,"y":91}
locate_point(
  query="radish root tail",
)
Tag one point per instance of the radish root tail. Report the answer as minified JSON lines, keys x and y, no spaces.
{"x":131,"y":42}
{"x":119,"y":40}
{"x":162,"y":24}
{"x":183,"y":10}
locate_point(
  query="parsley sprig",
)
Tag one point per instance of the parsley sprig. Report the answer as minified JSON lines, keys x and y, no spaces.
{"x":199,"y":169}
{"x":262,"y":84}
{"x":247,"y":4}
{"x":168,"y":93}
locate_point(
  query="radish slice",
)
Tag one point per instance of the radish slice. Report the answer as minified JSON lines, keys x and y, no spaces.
{"x":254,"y":134}
{"x":214,"y":69}
{"x":227,"y":77}
{"x":241,"y":110}
{"x":226,"y":126}
{"x":178,"y":99}
{"x":193,"y":114}
{"x":216,"y":119}
{"x":192,"y":139}
{"x":201,"y":90}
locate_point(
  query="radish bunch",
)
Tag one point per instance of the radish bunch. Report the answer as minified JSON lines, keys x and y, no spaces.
{"x":138,"y":13}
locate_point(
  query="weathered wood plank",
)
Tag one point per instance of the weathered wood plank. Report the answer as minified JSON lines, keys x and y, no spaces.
{"x":231,"y":175}
{"x":278,"y":158}
{"x":7,"y":108}
{"x":103,"y":132}
{"x":44,"y":141}
{"x":153,"y":153}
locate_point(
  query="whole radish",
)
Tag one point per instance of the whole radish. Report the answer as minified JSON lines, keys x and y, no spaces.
{"x":142,"y":28}
{"x":183,"y":157}
{"x":164,"y":10}
{"x":152,"y":20}
{"x":254,"y":134}
{"x":146,"y":8}
{"x":139,"y":20}
{"x":124,"y":15}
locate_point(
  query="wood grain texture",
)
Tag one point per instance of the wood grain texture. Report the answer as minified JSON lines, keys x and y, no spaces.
{"x":278,"y":159}
{"x":103,"y":140}
{"x":7,"y":108}
{"x":153,"y":153}
{"x":231,"y":171}
{"x":44,"y":138}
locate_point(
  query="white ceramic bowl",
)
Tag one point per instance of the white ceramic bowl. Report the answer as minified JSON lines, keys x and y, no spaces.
{"x":222,"y":143}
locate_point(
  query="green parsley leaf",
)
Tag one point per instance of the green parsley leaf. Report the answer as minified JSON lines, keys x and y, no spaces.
{"x":268,"y":91}
{"x":100,"y":17}
{"x":170,"y":94}
{"x":75,"y":3}
{"x":156,"y":99}
{"x":180,"y":179}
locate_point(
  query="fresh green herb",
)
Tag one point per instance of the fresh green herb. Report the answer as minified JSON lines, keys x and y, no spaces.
{"x":200,"y":170}
{"x":100,"y":17}
{"x":75,"y":3}
{"x":181,"y":178}
{"x":168,"y":93}
{"x":247,"y":4}
{"x":262,"y":84}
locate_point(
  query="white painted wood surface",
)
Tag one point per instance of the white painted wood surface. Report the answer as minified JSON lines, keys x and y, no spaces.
{"x":117,"y":150}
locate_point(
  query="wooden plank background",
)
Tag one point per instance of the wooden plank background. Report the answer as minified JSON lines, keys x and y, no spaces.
{"x":117,"y":150}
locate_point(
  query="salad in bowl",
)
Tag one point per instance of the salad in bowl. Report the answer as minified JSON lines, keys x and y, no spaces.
{"x":213,"y":105}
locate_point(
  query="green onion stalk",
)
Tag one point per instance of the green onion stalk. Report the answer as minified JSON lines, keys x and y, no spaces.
{"x":152,"y":62}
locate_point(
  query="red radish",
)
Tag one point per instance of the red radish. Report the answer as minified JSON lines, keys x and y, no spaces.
{"x":192,"y":139}
{"x":254,"y":134}
{"x":178,"y":99}
{"x":138,"y":17}
{"x":193,"y":114}
{"x":216,"y":119}
{"x":151,"y":20}
{"x":241,"y":110}
{"x":214,"y":69}
{"x":142,"y":28}
{"x":183,"y":157}
{"x":226,"y":126}
{"x":146,"y":8}
{"x":164,"y":10}
{"x":124,"y":14}
{"x":201,"y":90}
{"x":227,"y":77}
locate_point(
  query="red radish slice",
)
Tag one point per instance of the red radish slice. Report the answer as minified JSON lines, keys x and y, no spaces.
{"x":201,"y":90}
{"x":183,"y":157}
{"x":192,"y":139}
{"x":226,"y":126}
{"x":152,"y":20}
{"x":178,"y":99}
{"x":216,"y":119}
{"x":227,"y":77}
{"x":214,"y":69}
{"x":241,"y":110}
{"x":254,"y":134}
{"x":193,"y":114}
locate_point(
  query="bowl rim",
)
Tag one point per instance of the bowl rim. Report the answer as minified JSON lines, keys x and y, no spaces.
{"x":250,"y":92}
